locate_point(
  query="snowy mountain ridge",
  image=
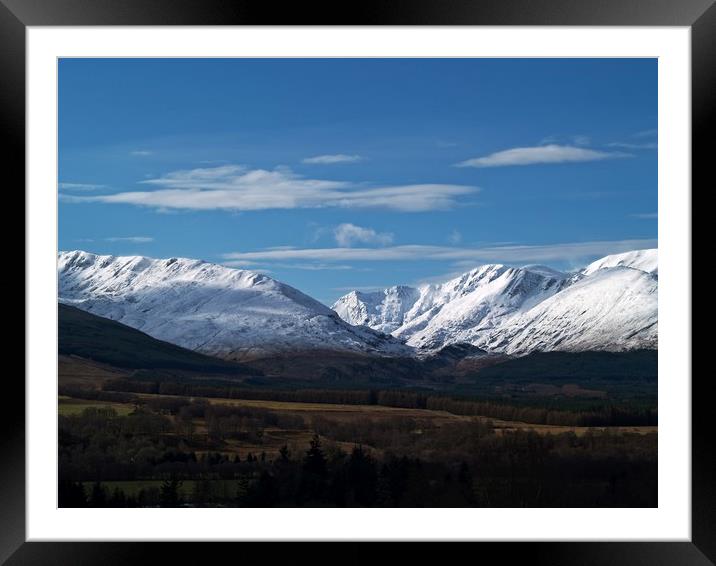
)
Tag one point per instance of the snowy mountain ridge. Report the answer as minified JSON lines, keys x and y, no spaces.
{"x":643,"y":260}
{"x":383,"y":310}
{"x":609,"y":305}
{"x":239,"y":314}
{"x":210,"y":308}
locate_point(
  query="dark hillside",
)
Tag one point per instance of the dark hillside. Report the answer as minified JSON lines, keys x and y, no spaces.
{"x":103,"y":340}
{"x":634,"y":365}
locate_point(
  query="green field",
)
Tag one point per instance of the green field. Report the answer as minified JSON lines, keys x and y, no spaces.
{"x":69,"y":406}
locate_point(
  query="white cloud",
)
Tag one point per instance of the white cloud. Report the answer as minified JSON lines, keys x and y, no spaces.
{"x":487,"y":254}
{"x":79,"y":186}
{"x":331,"y":159}
{"x":141,"y":152}
{"x":551,"y":153}
{"x":646,"y":215}
{"x":646,"y":133}
{"x":348,"y":234}
{"x":234,"y":187}
{"x":131,"y":239}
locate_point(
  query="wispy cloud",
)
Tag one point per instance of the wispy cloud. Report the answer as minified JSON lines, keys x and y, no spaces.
{"x":364,"y":288}
{"x":314,"y":266}
{"x":487,"y":254}
{"x":550,"y":153}
{"x":549,"y":140}
{"x":332,"y":159}
{"x":579,"y":139}
{"x":455,"y":237}
{"x":131,"y":239}
{"x":628,"y":145}
{"x":235,"y":187}
{"x":348,"y":234}
{"x":79,"y":186}
{"x":141,"y":152}
{"x":646,"y":215}
{"x":646,"y":133}
{"x":253,"y":266}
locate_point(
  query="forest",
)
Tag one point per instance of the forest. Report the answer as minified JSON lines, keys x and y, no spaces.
{"x":551,"y":409}
{"x":149,"y":450}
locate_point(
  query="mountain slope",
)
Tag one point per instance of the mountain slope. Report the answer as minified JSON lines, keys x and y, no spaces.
{"x":471,"y":306}
{"x":462,"y":310}
{"x":643,"y":260}
{"x":230,"y":313}
{"x":102,"y":340}
{"x":383,"y":310}
{"x":609,"y":305}
{"x":551,"y":366}
{"x":614,"y":309}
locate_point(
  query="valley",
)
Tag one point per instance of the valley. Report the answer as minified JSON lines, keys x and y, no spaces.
{"x":183,"y":383}
{"x":394,"y":282}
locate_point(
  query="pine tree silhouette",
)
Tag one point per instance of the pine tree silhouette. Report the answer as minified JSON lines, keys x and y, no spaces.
{"x":315,"y":461}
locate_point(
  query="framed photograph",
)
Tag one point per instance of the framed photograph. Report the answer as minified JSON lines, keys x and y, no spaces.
{"x":420,"y":275}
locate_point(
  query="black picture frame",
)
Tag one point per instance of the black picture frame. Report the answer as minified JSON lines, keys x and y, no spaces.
{"x":16,"y":15}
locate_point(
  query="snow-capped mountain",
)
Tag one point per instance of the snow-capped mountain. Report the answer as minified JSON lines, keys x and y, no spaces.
{"x":237,"y":314}
{"x":643,"y":260}
{"x":213,"y":309}
{"x":382,"y":310}
{"x":460,"y":310}
{"x":614,"y":309}
{"x":609,"y":305}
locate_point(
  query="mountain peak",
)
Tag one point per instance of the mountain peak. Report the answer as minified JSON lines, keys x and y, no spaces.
{"x":240,"y":314}
{"x":481,"y":307}
{"x":210,"y":308}
{"x":381,"y":310}
{"x":643,"y":260}
{"x":545,"y":270}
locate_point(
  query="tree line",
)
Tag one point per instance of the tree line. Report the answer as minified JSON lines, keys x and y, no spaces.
{"x":545,"y":411}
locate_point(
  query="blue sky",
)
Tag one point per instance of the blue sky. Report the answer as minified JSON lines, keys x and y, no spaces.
{"x":334,"y":174}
